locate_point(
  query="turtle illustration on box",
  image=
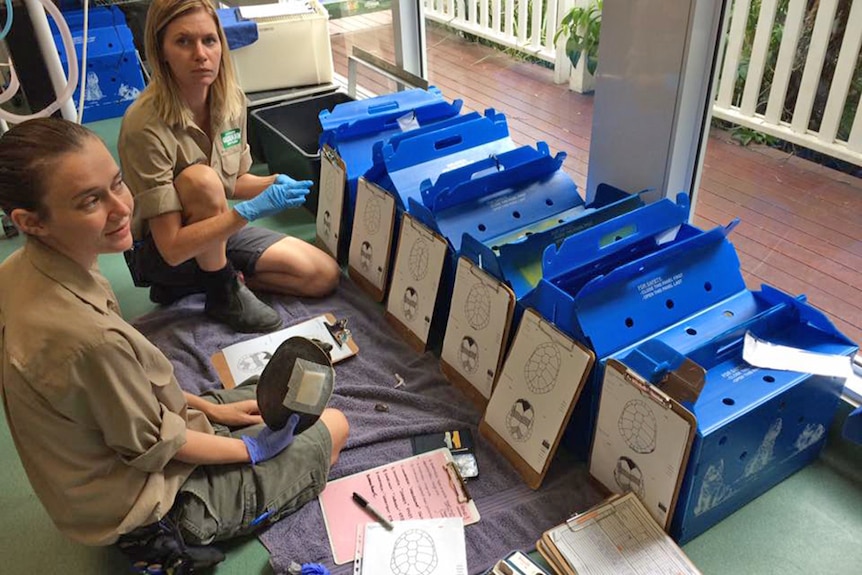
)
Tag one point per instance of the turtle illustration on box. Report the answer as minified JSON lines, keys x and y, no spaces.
{"x":298,"y":379}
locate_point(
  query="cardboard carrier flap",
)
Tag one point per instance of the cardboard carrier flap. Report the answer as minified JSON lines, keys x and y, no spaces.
{"x":384,"y":124}
{"x":521,"y":259}
{"x":646,"y":295}
{"x":504,"y":212}
{"x":615,"y":235}
{"x":345,"y":115}
{"x":504,"y":172}
{"x":513,"y":259}
{"x":421,"y":146}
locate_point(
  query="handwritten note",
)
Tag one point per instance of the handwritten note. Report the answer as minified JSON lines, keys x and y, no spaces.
{"x":419,"y":487}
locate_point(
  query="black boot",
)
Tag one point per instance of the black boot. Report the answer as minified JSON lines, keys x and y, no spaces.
{"x":231,"y":302}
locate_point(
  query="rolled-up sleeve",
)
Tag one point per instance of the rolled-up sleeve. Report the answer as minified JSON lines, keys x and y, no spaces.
{"x":141,"y":413}
{"x":148,"y":168}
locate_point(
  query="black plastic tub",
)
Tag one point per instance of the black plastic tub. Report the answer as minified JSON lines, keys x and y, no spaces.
{"x":289,"y":133}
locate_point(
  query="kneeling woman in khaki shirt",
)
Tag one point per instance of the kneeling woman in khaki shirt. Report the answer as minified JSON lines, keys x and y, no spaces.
{"x":113,"y":448}
{"x":183,"y":148}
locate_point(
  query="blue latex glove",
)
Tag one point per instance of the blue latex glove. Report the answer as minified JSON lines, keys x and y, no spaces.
{"x":284,"y":193}
{"x":269,"y":443}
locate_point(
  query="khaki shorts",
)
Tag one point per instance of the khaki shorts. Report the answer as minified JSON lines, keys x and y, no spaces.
{"x":219,"y":502}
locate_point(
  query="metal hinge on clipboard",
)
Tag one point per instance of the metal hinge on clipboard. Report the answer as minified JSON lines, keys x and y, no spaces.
{"x":457,"y":482}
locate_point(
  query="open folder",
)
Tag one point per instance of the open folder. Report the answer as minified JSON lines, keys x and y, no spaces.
{"x":616,"y":537}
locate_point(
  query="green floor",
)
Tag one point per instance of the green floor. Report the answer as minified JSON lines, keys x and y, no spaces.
{"x":810,"y":523}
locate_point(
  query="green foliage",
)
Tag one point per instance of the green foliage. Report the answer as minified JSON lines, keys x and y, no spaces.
{"x":581,"y":27}
{"x":746,"y":136}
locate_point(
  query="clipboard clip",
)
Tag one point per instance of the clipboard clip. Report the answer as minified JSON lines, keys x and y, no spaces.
{"x":457,"y":482}
{"x":649,"y":390}
{"x":329,"y":154}
{"x":579,"y":521}
{"x":338,"y":331}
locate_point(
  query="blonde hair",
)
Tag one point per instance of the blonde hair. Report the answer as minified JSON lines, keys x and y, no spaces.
{"x":226,"y":100}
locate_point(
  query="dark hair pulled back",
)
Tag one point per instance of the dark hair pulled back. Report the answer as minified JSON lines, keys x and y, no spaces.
{"x":27,"y":152}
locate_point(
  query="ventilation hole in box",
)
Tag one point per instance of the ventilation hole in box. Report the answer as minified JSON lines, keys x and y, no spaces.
{"x":669,"y":304}
{"x":707,"y":286}
{"x":728,"y":401}
{"x":495,"y":248}
{"x":728,"y":313}
{"x":549,"y":202}
{"x":629,"y":322}
{"x":561,"y":221}
{"x":743,"y":455}
{"x":723,"y":440}
{"x":482,"y":227}
{"x":690,"y":331}
{"x":768,"y":379}
{"x":782,"y":405}
{"x":528,"y":234}
{"x":516,"y":215}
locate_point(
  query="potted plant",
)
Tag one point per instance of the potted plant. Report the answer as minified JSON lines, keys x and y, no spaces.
{"x":581,"y":27}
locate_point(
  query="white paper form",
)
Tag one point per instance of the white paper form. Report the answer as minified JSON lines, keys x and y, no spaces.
{"x":373,"y":224}
{"x":620,"y":538}
{"x":416,"y":277}
{"x":248,"y":358}
{"x":477,"y":325}
{"x":423,"y":547}
{"x":330,"y":204}
{"x":536,"y":388}
{"x":639,"y":445}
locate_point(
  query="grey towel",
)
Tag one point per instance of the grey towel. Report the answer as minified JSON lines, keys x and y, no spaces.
{"x":513,"y":516}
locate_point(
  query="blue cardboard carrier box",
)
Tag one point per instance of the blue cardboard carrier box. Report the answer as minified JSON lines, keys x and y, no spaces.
{"x":352,"y":129}
{"x":688,"y":298}
{"x":114,"y":77}
{"x":506,"y":194}
{"x":755,"y":426}
{"x":564,"y":295}
{"x":409,"y":160}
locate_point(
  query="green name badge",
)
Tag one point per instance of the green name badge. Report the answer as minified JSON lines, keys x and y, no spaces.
{"x":230,"y":138}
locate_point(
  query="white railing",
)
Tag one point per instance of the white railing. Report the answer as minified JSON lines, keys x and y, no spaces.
{"x":524,"y":25}
{"x":745,"y":105}
{"x":529,"y":27}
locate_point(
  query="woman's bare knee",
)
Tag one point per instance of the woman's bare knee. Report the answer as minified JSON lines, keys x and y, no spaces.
{"x":201,"y":193}
{"x":339,"y":429}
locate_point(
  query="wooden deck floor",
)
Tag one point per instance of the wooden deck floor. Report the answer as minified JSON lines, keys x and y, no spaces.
{"x":801,"y":223}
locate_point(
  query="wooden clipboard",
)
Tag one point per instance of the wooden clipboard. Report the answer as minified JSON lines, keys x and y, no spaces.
{"x":501,"y":412}
{"x":647,"y":447}
{"x":404,"y":278}
{"x":457,"y":331}
{"x":358,"y":235}
{"x":329,"y":223}
{"x":617,"y":531}
{"x":307,"y":328}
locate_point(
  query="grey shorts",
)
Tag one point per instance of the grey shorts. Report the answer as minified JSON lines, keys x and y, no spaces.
{"x":169,"y":283}
{"x":218,"y":502}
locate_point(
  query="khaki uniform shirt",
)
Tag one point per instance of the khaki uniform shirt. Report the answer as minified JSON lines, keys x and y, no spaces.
{"x":153,"y":154}
{"x":93,"y":407}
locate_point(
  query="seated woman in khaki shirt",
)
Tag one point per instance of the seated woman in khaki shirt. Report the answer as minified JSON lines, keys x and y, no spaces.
{"x":184,"y":153}
{"x":113,"y":448}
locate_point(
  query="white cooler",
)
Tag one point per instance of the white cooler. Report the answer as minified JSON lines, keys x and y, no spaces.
{"x":292,"y":48}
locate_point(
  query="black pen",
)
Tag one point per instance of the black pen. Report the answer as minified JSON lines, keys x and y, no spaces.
{"x":361,"y":501}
